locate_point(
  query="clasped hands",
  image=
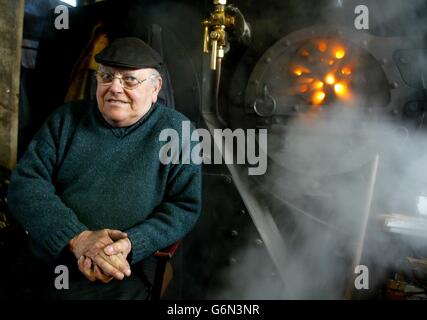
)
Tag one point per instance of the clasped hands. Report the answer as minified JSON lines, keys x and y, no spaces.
{"x":101,"y":255}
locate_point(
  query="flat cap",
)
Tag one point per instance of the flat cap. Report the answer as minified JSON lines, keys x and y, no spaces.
{"x":129,"y":52}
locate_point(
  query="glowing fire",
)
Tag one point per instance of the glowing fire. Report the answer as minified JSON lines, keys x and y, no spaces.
{"x":346,"y":71}
{"x":340,"y":53}
{"x":322,"y":46}
{"x":299,"y":71}
{"x":328,"y":75}
{"x":318,"y":97}
{"x":330,"y":79}
{"x":317,"y":84}
{"x":341,"y":90}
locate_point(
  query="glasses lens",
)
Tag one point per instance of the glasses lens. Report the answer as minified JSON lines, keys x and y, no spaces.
{"x":130,"y":82}
{"x":105,"y":78}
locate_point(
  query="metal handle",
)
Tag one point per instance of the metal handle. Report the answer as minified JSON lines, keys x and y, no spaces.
{"x":206,"y":40}
{"x":214,"y":52}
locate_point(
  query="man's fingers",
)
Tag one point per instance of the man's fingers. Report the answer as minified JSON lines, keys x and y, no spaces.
{"x":108,"y":268}
{"x":87,"y":264}
{"x":120,"y":246}
{"x":118,"y":261}
{"x":101,"y":276}
{"x":84,"y":265}
{"x":91,"y":271}
{"x":116,"y":234}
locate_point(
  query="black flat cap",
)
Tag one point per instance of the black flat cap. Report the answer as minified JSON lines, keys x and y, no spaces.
{"x":129,"y":52}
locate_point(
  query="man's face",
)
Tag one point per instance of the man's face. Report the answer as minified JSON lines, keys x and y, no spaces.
{"x":120,"y":106}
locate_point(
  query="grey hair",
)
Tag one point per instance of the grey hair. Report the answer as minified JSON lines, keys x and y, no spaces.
{"x":154,"y":75}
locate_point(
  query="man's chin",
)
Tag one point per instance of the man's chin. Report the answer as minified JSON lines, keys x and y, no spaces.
{"x":116,"y":105}
{"x":116,"y":119}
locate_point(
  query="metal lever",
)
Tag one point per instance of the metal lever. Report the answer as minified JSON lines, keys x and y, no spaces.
{"x":206,"y":40}
{"x":214,"y":54}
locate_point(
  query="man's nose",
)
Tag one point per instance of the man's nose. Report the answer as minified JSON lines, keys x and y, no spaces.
{"x":116,"y":86}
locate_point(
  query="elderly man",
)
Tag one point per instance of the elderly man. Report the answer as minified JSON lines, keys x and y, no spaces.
{"x":90,"y":190}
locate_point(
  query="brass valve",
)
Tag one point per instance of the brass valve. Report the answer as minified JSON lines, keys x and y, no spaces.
{"x":215,"y":34}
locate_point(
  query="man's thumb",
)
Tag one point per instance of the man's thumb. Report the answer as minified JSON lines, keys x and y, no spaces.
{"x":117,"y":234}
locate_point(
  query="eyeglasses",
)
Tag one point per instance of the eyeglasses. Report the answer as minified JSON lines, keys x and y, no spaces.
{"x":127,"y":81}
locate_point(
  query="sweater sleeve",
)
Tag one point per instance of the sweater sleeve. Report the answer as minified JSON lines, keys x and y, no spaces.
{"x":33,"y":200}
{"x":174,"y":217}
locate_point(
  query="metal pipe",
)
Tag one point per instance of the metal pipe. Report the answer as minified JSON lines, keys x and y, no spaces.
{"x":365,"y":219}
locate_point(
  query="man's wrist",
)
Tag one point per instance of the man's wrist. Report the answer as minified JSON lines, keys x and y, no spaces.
{"x":73,"y":244}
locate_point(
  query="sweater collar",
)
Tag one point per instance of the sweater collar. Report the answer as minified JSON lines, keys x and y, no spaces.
{"x":121,"y":132}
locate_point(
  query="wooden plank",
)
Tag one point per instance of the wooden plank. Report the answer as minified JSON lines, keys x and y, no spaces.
{"x":11,"y":26}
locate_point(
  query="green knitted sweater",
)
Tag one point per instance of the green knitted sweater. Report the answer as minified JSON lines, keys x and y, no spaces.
{"x":79,"y":173}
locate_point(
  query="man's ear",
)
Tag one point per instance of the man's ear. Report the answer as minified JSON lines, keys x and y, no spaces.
{"x":159,"y":84}
{"x":157,"y":88}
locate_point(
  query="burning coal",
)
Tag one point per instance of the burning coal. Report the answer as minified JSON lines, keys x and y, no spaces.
{"x":322,"y":71}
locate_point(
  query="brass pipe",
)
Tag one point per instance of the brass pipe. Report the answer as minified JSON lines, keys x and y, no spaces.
{"x":214,"y":54}
{"x":206,"y":38}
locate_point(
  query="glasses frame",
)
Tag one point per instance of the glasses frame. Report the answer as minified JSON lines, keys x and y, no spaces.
{"x":122,"y":82}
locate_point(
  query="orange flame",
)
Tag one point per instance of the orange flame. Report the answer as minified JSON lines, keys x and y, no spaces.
{"x":317,"y":84}
{"x":346,"y":71}
{"x":303,"y":80}
{"x":330,"y":79}
{"x":341,"y":90}
{"x":318,"y":97}
{"x":303,"y":88}
{"x":300,"y":70}
{"x":322,"y":46}
{"x":339,"y":53}
{"x":304,"y":53}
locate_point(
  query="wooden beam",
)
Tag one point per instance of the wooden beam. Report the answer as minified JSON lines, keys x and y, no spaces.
{"x":11,"y":27}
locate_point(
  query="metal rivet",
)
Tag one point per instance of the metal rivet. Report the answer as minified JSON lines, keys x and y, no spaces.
{"x":394,"y":85}
{"x":268,"y":60}
{"x":258,"y":242}
{"x":234,"y":233}
{"x":228,"y":179}
{"x":7,"y":90}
